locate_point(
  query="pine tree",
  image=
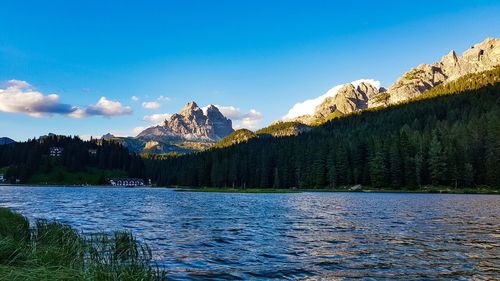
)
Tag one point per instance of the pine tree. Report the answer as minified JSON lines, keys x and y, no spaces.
{"x":437,"y":161}
{"x":378,"y":169}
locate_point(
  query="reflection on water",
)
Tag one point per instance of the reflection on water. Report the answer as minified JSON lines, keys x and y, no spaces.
{"x":317,"y":236}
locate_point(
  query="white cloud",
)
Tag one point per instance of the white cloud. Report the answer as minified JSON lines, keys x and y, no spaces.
{"x":20,"y":97}
{"x":103,"y":107}
{"x":18,"y":84}
{"x":134,"y":98}
{"x":156,"y":118}
{"x":249,"y":120}
{"x":151,"y":105}
{"x":307,"y":107}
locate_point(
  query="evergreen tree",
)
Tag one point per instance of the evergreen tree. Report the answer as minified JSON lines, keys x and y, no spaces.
{"x":437,"y":161}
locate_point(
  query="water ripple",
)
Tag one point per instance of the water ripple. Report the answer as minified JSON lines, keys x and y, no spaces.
{"x":305,"y":236}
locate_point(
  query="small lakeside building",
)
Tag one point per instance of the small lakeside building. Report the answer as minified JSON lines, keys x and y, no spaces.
{"x":56,"y":151}
{"x":127,"y":182}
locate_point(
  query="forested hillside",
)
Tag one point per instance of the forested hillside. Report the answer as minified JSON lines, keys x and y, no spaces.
{"x":449,"y":136}
{"x":24,"y":160}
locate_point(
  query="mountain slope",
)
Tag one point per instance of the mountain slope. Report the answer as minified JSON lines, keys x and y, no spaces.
{"x":238,"y":136}
{"x":353,"y":97}
{"x":450,"y":135}
{"x":480,"y":57}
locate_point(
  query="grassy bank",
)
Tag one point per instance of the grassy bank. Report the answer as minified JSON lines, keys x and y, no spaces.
{"x":54,"y":251}
{"x":427,"y":189}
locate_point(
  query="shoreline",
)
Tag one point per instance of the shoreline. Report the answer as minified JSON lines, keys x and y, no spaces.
{"x":488,"y":191}
{"x":431,"y":190}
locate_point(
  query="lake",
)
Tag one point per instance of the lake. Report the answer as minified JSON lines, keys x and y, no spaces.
{"x":305,"y":236}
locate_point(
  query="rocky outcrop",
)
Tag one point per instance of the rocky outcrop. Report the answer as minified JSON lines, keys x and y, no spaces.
{"x":348,"y":99}
{"x":191,"y":124}
{"x":480,"y":57}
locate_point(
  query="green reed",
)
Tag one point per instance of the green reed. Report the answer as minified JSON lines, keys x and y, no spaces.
{"x":54,"y":251}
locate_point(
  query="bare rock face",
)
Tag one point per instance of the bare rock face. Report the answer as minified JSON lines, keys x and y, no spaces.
{"x":221,"y":125}
{"x":480,"y":57}
{"x":348,"y":99}
{"x":191,"y":124}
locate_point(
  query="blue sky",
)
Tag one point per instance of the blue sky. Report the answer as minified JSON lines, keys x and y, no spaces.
{"x":256,"y":58}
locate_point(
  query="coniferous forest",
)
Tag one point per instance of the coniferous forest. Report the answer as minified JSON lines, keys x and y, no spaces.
{"x":449,"y":136}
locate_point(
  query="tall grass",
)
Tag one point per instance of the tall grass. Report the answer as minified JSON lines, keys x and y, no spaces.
{"x":54,"y":251}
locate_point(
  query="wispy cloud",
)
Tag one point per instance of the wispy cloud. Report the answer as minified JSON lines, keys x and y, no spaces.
{"x":157,"y":118}
{"x":103,"y":107}
{"x":163,"y":99}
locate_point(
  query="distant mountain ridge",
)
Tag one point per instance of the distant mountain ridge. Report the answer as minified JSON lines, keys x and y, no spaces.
{"x":6,"y":140}
{"x":349,"y":98}
{"x":480,"y":57}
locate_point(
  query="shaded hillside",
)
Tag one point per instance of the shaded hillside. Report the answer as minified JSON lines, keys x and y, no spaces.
{"x":450,"y":136}
{"x":5,"y":140}
{"x":284,"y":129}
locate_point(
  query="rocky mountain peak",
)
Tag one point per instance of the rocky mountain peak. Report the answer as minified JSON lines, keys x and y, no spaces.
{"x":213,"y":112}
{"x":222,"y":126}
{"x":191,"y":109}
{"x":191,"y":124}
{"x":349,"y":98}
{"x":451,"y":58}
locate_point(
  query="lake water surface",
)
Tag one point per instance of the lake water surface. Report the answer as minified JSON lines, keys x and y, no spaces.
{"x":305,"y":236}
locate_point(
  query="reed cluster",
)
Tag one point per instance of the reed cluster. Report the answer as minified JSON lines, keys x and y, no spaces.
{"x":50,"y":250}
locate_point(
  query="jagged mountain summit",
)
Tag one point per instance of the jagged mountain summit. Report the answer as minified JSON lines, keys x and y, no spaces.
{"x":349,"y":98}
{"x":480,"y":57}
{"x":191,"y":124}
{"x":353,"y":97}
{"x":108,"y":136}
